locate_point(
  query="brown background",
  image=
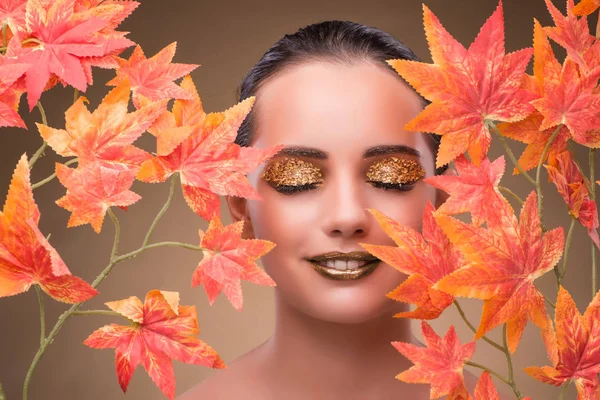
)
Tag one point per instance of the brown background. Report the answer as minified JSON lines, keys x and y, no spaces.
{"x":226,"y":38}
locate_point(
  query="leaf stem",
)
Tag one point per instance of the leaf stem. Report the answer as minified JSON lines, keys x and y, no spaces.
{"x":563,"y":390}
{"x":97,"y":312}
{"x":492,"y":372}
{"x":470,"y":325}
{"x":162,"y":210}
{"x":48,"y":179}
{"x":158,"y":244}
{"x":538,"y":186}
{"x":561,"y":274}
{"x":510,"y":153}
{"x":549,"y":301}
{"x":38,"y":291}
{"x":572,"y":150}
{"x":39,"y":151}
{"x":513,"y":194}
{"x":75,"y":95}
{"x":4,"y":40}
{"x":510,"y":364}
{"x":592,"y":152}
{"x":2,"y":394}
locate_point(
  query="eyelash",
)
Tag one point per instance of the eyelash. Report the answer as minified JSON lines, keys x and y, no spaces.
{"x":404,"y":187}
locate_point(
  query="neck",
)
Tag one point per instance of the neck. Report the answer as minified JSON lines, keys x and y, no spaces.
{"x":308,"y":352}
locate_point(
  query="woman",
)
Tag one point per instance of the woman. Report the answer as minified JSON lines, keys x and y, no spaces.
{"x":328,"y":95}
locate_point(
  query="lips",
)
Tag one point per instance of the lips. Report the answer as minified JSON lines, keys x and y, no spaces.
{"x":337,"y":255}
{"x":348,"y":274}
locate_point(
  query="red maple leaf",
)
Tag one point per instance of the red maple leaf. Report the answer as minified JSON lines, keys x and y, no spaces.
{"x":575,"y":351}
{"x":92,"y":189}
{"x":12,"y":13}
{"x":426,"y":259}
{"x":467,"y":87}
{"x":439,"y":364}
{"x":162,"y":331}
{"x":10,"y":93}
{"x":153,"y":77}
{"x":208,"y":161}
{"x":474,"y":190}
{"x":570,"y":32}
{"x":26,"y":256}
{"x":571,"y":185}
{"x":106,"y":134}
{"x":228,"y":259}
{"x":505,"y":260}
{"x":63,"y":39}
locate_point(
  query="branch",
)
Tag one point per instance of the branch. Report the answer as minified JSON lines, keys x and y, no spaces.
{"x":97,"y":312}
{"x":509,"y":152}
{"x":162,"y":210}
{"x":48,"y":179}
{"x":510,"y":365}
{"x":497,"y":375}
{"x":513,"y":194}
{"x":593,"y":198}
{"x":538,"y":186}
{"x":39,"y":151}
{"x":2,"y":395}
{"x":561,"y":274}
{"x":470,"y":325}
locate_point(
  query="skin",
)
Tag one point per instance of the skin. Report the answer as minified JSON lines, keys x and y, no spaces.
{"x":331,"y":338}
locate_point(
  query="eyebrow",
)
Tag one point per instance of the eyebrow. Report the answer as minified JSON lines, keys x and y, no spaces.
{"x":311,"y":152}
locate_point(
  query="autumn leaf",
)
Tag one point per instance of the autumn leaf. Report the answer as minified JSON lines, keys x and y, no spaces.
{"x":577,"y":344}
{"x":585,"y":7}
{"x":227,"y":259}
{"x":567,"y":93}
{"x":153,"y":77}
{"x":61,"y":39}
{"x":207,"y":160}
{"x":570,"y":32}
{"x":161,"y":331}
{"x":10,"y":94}
{"x":12,"y":13}
{"x":26,"y":256}
{"x":425,"y":258}
{"x":92,"y":189}
{"x":440,"y":363}
{"x":528,"y":131}
{"x":106,"y":134}
{"x":474,"y":190}
{"x":505,"y":261}
{"x":571,"y":185}
{"x":467,"y":87}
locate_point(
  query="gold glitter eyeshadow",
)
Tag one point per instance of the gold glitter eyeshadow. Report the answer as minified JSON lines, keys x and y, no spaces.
{"x":395,"y":170}
{"x":292,"y":172}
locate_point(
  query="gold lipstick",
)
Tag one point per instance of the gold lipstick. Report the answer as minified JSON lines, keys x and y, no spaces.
{"x":345,"y":275}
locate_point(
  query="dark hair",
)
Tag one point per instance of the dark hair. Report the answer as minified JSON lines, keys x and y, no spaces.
{"x":334,"y":41}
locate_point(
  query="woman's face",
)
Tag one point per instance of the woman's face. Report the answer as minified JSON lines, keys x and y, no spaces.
{"x":340,"y":112}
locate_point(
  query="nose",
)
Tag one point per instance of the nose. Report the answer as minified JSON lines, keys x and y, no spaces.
{"x":345,"y":210}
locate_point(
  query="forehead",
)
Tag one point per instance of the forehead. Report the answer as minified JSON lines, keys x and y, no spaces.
{"x":336,"y":107}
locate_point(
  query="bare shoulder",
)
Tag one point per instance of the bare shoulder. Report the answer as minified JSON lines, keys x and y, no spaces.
{"x":240,"y":380}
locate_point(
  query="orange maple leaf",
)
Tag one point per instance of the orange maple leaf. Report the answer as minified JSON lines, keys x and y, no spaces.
{"x":153,"y":77}
{"x":467,"y":87}
{"x":207,"y":160}
{"x":505,"y":260}
{"x":162,"y":331}
{"x":474,"y":190}
{"x":576,"y":346}
{"x":426,"y":259}
{"x":92,"y":189}
{"x":570,"y":32}
{"x":26,"y":256}
{"x":227,"y":259}
{"x":63,"y":37}
{"x":567,"y":93}
{"x":439,"y":364}
{"x":106,"y":134}
{"x":585,"y":7}
{"x":571,"y":185}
